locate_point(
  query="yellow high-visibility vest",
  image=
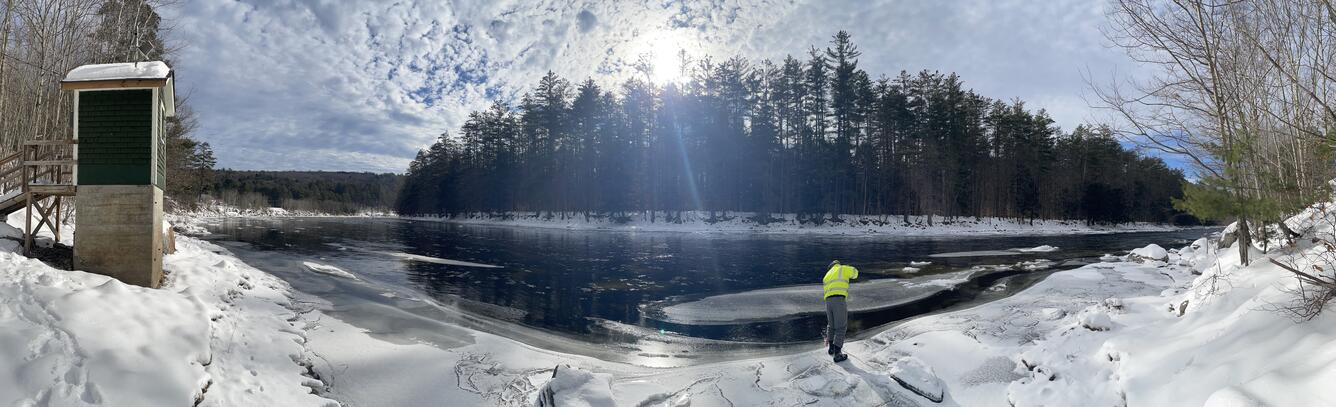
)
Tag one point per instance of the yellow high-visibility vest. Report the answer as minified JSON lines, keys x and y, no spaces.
{"x":837,"y":280}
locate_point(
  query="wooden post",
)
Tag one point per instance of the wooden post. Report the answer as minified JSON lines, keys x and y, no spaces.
{"x":27,"y":197}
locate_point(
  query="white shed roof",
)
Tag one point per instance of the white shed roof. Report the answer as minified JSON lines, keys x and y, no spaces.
{"x":119,"y":71}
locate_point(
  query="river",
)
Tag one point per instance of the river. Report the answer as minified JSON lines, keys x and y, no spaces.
{"x":605,"y":293}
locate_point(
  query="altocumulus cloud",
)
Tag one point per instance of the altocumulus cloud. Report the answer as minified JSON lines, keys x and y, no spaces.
{"x":342,"y":85}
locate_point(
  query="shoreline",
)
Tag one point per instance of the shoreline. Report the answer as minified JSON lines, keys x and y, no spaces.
{"x":741,"y":224}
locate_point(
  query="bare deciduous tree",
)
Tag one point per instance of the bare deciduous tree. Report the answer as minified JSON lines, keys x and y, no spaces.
{"x":1242,"y":90}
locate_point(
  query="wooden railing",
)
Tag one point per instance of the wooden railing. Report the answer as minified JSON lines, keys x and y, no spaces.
{"x":41,"y":169}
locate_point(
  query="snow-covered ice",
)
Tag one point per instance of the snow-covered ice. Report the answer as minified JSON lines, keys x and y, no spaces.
{"x":437,"y":260}
{"x":918,"y":377}
{"x":328,"y":269}
{"x":784,"y":302}
{"x":1038,"y":249}
{"x":573,"y":387}
{"x":977,"y":253}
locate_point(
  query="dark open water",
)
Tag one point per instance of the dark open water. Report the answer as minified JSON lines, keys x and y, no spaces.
{"x":607,"y":286}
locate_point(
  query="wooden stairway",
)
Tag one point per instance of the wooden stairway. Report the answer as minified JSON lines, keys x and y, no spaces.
{"x":36,"y":178}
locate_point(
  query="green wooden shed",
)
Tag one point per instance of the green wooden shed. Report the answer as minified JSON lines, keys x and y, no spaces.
{"x":120,"y":113}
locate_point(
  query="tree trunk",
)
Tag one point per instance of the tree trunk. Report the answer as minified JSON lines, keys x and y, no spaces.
{"x":1245,"y":239}
{"x":4,"y":45}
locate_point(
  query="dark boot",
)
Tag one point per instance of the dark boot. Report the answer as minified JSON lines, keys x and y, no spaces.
{"x":840,"y":357}
{"x":832,"y":350}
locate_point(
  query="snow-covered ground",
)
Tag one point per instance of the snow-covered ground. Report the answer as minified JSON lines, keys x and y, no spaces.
{"x":1113,"y":333}
{"x":701,"y":221}
{"x":217,"y":334}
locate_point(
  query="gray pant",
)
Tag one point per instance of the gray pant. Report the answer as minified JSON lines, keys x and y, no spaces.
{"x":837,"y":320}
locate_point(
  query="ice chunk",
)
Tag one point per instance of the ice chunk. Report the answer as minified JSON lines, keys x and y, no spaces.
{"x":437,"y":260}
{"x":910,"y":269}
{"x":1038,"y":249}
{"x":916,"y":376}
{"x":978,"y":253}
{"x":328,"y":269}
{"x":919,"y":263}
{"x":1035,"y":265}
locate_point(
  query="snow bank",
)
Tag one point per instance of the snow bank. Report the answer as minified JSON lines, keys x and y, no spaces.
{"x":71,"y":338}
{"x":216,"y":334}
{"x":1215,"y":337}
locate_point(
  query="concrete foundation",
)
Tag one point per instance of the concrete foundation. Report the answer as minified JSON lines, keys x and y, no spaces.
{"x":118,"y":232}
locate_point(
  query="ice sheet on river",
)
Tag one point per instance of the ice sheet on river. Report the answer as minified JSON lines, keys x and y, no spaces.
{"x":417,"y":257}
{"x":437,"y":260}
{"x":782,"y":302}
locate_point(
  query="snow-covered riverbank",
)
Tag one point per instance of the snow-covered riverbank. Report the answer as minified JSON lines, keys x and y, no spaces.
{"x":745,"y":222}
{"x":223,"y":333}
{"x":217,"y":334}
{"x":215,"y":209}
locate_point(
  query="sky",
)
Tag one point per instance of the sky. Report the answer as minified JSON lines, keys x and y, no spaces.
{"x":363,"y":85}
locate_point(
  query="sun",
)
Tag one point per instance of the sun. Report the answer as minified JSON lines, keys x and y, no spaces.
{"x":663,"y":51}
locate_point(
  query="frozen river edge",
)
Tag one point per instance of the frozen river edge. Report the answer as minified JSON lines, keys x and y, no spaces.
{"x":224,"y":333}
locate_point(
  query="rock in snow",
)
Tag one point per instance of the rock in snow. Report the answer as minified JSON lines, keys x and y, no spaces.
{"x":572,"y":387}
{"x":1096,"y":320}
{"x":916,"y":376}
{"x":1150,"y":252}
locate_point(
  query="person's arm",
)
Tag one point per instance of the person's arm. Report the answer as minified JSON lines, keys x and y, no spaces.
{"x":853,"y":273}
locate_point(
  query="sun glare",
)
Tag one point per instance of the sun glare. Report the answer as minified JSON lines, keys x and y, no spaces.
{"x":663,"y":51}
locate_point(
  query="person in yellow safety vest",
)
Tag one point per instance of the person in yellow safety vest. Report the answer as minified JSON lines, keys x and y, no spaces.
{"x":836,"y":290}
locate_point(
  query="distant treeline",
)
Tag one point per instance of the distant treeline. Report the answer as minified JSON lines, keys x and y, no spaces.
{"x":814,"y":137}
{"x":317,"y":191}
